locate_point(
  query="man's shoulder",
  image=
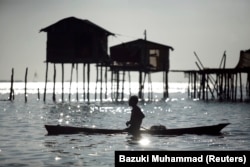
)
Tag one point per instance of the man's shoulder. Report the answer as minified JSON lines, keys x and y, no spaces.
{"x":136,"y":108}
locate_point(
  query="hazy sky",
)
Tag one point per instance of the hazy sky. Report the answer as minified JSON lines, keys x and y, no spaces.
{"x":208,"y":27}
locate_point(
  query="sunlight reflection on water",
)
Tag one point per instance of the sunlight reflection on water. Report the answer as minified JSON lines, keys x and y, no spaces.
{"x":144,"y":141}
{"x":23,"y":136}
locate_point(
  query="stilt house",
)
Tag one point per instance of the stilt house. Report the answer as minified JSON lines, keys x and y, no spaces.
{"x":143,"y":56}
{"x":72,"y":40}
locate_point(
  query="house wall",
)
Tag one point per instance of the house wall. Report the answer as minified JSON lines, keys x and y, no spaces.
{"x":68,"y":47}
{"x":141,"y":53}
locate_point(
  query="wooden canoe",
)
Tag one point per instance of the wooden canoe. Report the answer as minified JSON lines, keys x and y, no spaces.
{"x":209,"y":130}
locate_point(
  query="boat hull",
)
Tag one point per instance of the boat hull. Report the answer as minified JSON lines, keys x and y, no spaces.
{"x":209,"y":130}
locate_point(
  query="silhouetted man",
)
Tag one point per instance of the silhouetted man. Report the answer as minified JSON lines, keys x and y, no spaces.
{"x":136,"y":117}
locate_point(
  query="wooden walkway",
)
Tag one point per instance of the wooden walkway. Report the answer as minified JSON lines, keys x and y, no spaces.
{"x":220,"y":84}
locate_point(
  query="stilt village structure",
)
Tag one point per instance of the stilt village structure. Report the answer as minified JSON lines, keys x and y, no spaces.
{"x":224,"y":84}
{"x":80,"y":42}
{"x":76,"y":41}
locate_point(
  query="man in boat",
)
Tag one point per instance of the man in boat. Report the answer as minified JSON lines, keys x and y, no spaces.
{"x":136,"y":117}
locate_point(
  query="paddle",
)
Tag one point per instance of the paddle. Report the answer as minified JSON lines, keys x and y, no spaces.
{"x":144,"y":128}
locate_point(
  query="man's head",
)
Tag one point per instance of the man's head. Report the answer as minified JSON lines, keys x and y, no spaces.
{"x":133,"y":100}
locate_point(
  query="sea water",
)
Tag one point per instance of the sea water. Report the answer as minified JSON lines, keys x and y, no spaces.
{"x":24,"y":140}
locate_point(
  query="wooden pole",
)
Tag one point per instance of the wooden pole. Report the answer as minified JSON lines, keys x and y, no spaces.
{"x":106,"y":82}
{"x":236,"y":85}
{"x":62,"y":82}
{"x":117,"y":84}
{"x":248,"y":85}
{"x":221,"y":86}
{"x":143,"y":85}
{"x":203,"y":85}
{"x":129,"y":80}
{"x":150,"y":89}
{"x":123,"y":80}
{"x":140,"y":85}
{"x":38,"y":94}
{"x":83,"y":82}
{"x":225,"y":86}
{"x":25,"y":87}
{"x":218,"y":84}
{"x":46,"y":80}
{"x":195,"y":85}
{"x":207,"y":81}
{"x":101,"y":82}
{"x":71,"y":76}
{"x":77,"y":98}
{"x":88,"y":78}
{"x":11,"y":85}
{"x":192,"y":85}
{"x":188,"y":84}
{"x":241,"y":94}
{"x":232,"y":87}
{"x":96,"y":83}
{"x":112,"y":84}
{"x":54,"y":84}
{"x":166,"y":85}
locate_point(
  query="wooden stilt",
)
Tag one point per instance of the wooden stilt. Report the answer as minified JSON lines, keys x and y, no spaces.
{"x":101,"y":80}
{"x":129,"y":80}
{"x":106,"y":82}
{"x":241,"y":91}
{"x":140,"y":85}
{"x":11,"y":96}
{"x":207,"y":86}
{"x":143,"y":85}
{"x":38,"y":94}
{"x":117,"y":85}
{"x":150,"y":89}
{"x":123,"y":81}
{"x":88,"y":78}
{"x":203,"y":82}
{"x":192,"y":85}
{"x":228,"y":86}
{"x":218,"y":81}
{"x":232,"y":87}
{"x":25,"y":87}
{"x":189,"y":80}
{"x":166,"y":85}
{"x":248,"y":86}
{"x":248,"y":81}
{"x":54,"y":85}
{"x":222,"y":93}
{"x":195,"y":85}
{"x":62,"y":82}
{"x":200,"y":86}
{"x":83,"y":82}
{"x":77,"y":98}
{"x":236,"y":86}
{"x":71,"y":76}
{"x":97,"y":79}
{"x":112,"y":85}
{"x":225,"y":86}
{"x":46,"y":80}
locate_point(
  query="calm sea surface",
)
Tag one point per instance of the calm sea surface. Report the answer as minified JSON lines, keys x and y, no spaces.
{"x":23,"y":139}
